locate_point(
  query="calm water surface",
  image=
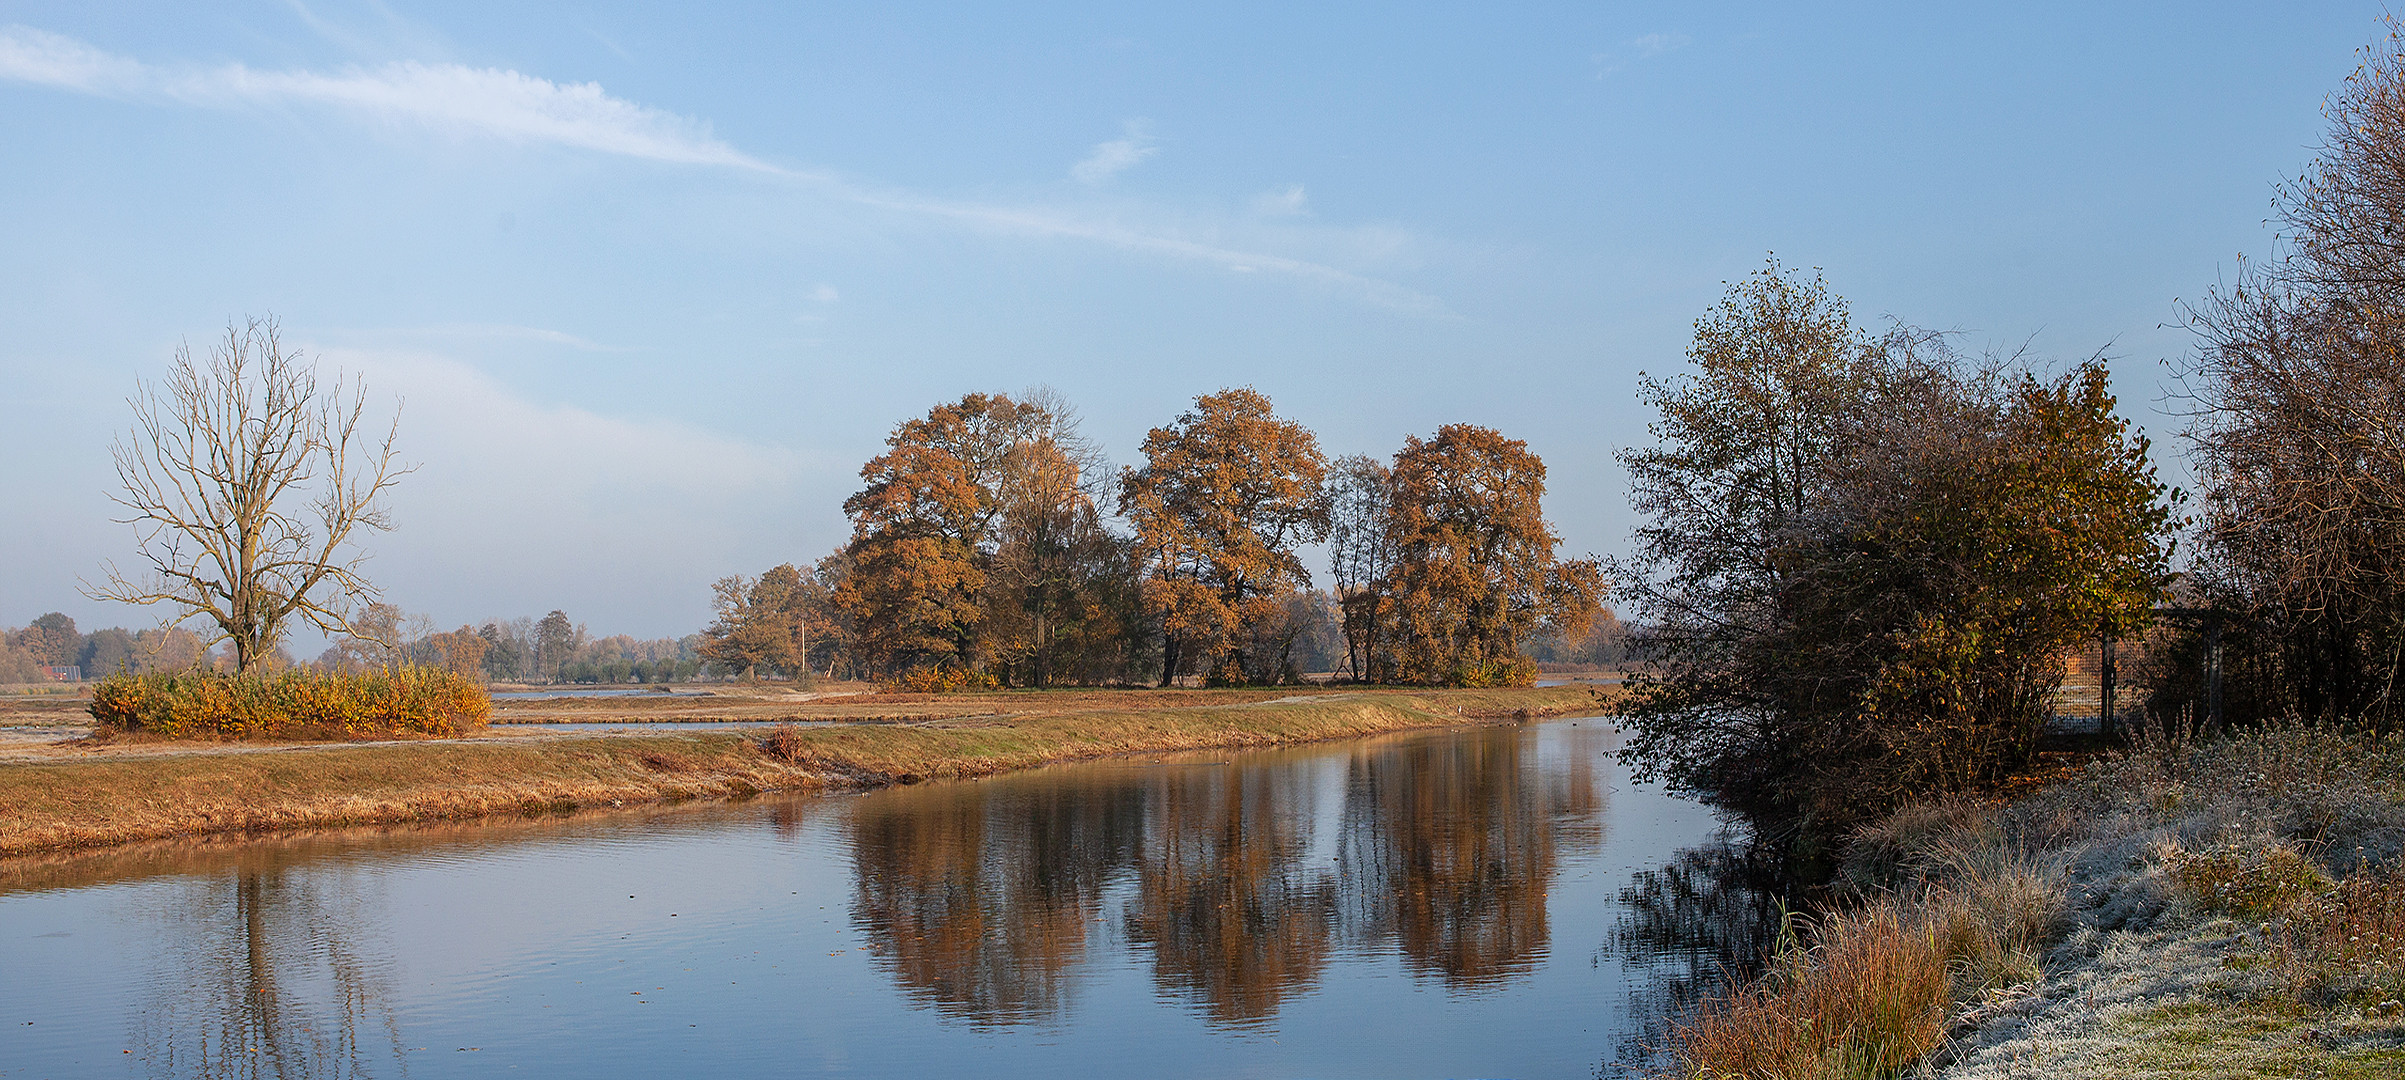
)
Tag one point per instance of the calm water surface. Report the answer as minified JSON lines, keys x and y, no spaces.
{"x":1433,"y":905}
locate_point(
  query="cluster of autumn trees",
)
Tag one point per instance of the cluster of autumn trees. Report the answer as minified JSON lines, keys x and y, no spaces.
{"x":1867,"y":556}
{"x":982,"y":553}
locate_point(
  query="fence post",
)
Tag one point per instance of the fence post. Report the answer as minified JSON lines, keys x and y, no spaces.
{"x":2213,"y":670}
{"x":2105,"y":672}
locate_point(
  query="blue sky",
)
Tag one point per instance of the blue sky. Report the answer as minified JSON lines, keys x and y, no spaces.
{"x":653,"y":280}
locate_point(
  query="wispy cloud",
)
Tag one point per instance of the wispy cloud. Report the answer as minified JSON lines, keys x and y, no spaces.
{"x":513,"y":106}
{"x":1637,"y":50}
{"x":1045,"y":223}
{"x":1288,"y":203}
{"x":1109,"y":159}
{"x":486,"y":101}
{"x":35,"y":56}
{"x":1653,"y":45}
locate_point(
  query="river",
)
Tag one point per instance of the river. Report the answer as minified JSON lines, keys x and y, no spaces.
{"x":1439,"y":904}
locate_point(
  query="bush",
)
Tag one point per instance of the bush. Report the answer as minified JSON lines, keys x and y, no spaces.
{"x":401,"y":703}
{"x":2255,"y":884}
{"x":1486,"y":674}
{"x":784,"y":743}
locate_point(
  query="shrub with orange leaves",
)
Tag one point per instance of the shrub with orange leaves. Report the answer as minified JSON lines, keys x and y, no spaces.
{"x":408,"y":702}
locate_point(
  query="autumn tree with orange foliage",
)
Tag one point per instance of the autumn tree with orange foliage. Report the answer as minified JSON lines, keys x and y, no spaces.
{"x":761,"y":623}
{"x":1226,"y":495}
{"x":1061,"y":602}
{"x":1474,"y":573}
{"x":977,"y":547}
{"x":921,"y":528}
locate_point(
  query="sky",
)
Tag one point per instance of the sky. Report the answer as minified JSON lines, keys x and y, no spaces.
{"x":647,"y":283}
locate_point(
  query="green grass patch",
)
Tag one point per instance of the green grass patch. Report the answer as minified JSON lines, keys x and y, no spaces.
{"x":2243,"y":1042}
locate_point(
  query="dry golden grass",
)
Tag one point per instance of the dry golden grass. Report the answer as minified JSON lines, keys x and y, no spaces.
{"x":1866,"y":1000}
{"x":91,"y":796}
{"x":1870,"y":995}
{"x":865,"y":703}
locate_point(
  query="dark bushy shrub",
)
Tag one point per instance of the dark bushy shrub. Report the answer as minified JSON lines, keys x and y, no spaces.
{"x":402,"y":703}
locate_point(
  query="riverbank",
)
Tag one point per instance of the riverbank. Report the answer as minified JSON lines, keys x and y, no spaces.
{"x":2233,"y":907}
{"x":81,"y":793}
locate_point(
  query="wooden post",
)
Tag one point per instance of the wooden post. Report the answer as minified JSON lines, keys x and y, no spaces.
{"x":2105,"y":672}
{"x":2213,"y":670}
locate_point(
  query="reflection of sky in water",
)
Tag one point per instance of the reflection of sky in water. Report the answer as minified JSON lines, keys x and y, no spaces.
{"x":1425,"y":905}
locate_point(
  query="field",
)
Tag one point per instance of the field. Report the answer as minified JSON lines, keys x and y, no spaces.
{"x":60,"y":788}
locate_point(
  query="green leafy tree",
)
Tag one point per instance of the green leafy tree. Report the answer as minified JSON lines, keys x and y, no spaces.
{"x":508,"y":649}
{"x":1863,"y":591}
{"x":555,"y":643}
{"x":106,"y":652}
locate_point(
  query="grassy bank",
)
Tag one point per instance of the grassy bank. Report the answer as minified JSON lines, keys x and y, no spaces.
{"x":2232,"y":907}
{"x":86,"y":795}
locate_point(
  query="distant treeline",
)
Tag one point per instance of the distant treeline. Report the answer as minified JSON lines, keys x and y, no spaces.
{"x":992,"y":545}
{"x":547,"y":650}
{"x":552,"y":649}
{"x":52,"y":641}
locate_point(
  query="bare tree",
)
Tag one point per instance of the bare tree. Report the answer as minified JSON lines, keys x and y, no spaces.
{"x":248,"y":481}
{"x":2298,"y":420}
{"x":1361,"y":497}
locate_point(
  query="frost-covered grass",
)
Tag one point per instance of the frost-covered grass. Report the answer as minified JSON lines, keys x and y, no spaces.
{"x":2168,"y":1003}
{"x":2192,"y":907}
{"x":2233,"y":909}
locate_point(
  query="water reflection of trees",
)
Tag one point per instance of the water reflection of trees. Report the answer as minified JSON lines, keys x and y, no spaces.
{"x":1709,"y":919}
{"x":269,"y":978}
{"x":978,"y":896}
{"x":1450,"y":845}
{"x":1230,"y":913}
{"x":981,"y":897}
